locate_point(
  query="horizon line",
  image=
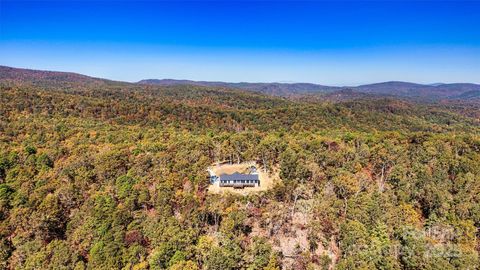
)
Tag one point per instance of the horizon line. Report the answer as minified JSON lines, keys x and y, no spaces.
{"x":251,"y":82}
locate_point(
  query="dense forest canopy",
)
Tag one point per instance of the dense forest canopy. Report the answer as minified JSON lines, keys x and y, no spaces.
{"x":97,"y":174}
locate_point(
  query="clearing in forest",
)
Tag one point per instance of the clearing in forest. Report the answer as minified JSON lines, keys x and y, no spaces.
{"x":267,"y":180}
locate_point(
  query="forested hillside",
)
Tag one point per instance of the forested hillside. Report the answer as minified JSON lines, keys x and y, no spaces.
{"x":97,"y":174}
{"x":423,"y":92}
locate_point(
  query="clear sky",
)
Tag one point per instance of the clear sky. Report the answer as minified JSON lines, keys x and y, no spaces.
{"x":333,"y":43}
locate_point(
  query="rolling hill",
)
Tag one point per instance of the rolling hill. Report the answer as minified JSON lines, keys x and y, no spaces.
{"x":277,"y":89}
{"x":421,"y":92}
{"x":418,"y":92}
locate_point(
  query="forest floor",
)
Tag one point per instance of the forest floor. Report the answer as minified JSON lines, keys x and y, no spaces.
{"x":267,"y":180}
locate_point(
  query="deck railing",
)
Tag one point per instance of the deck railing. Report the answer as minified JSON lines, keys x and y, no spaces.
{"x":238,"y":185}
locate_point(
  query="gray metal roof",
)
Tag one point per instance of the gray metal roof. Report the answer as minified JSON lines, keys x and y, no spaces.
{"x":238,"y":176}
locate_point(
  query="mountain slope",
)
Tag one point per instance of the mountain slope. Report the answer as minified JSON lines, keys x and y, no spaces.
{"x":213,"y":107}
{"x":393,"y":88}
{"x":277,"y":89}
{"x":41,"y":76}
{"x":471,"y":94}
{"x":414,"y":91}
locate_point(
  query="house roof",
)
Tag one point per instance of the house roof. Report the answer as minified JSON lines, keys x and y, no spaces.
{"x":239,"y":176}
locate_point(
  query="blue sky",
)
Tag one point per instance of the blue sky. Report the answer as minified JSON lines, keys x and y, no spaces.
{"x":327,"y":42}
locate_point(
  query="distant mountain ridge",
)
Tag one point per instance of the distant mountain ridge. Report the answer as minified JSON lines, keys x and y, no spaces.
{"x":415,"y":90}
{"x":436,"y":91}
{"x":392,"y":88}
{"x":277,"y":89}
